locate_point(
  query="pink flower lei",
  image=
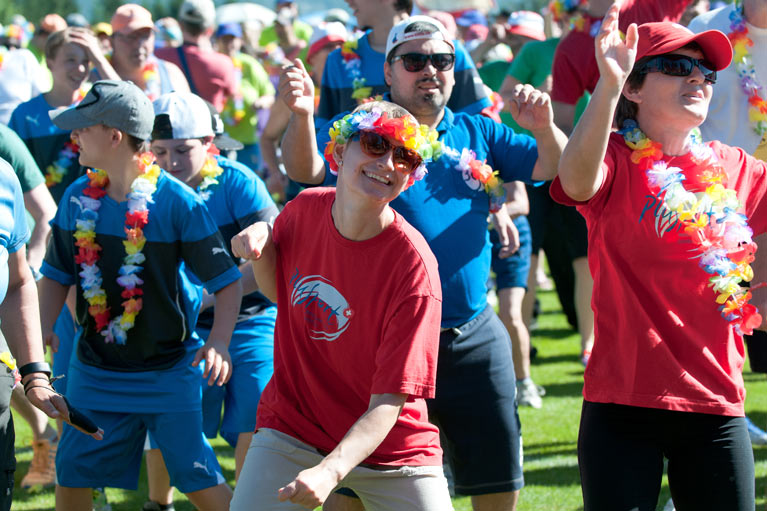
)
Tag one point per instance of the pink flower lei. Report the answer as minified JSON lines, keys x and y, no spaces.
{"x":709,"y":212}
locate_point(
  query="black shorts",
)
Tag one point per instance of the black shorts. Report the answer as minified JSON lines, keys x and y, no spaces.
{"x":621,"y":451}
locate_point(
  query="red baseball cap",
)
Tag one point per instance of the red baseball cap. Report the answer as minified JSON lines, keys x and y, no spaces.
{"x":665,"y":37}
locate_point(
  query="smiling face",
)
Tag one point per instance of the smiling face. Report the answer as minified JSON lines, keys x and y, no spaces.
{"x":183,"y":158}
{"x":69,"y":67}
{"x":673,"y":102}
{"x":423,"y":93}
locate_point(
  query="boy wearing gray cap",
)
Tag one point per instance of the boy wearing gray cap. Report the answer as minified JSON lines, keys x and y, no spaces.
{"x":137,"y":353}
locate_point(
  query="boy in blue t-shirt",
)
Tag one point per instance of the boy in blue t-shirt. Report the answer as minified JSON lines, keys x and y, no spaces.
{"x":184,"y":144}
{"x":136,"y":366}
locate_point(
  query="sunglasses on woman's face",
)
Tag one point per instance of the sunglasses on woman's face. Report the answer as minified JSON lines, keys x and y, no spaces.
{"x":374,"y":145}
{"x":679,"y":65}
{"x":414,"y":62}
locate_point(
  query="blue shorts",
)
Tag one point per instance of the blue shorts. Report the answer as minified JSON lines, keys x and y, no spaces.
{"x":475,"y":407}
{"x":64,"y":328}
{"x":115,"y":461}
{"x":512,"y":271}
{"x":252,"y":352}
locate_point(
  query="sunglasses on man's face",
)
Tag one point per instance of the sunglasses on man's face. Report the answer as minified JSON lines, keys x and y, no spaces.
{"x":679,"y":65}
{"x":414,"y":62}
{"x":374,"y":145}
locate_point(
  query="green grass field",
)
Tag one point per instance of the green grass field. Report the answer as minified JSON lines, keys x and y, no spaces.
{"x":551,"y":468}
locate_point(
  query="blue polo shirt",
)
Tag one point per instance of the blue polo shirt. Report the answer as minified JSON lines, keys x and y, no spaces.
{"x":13,"y":222}
{"x":450,"y":210}
{"x":336,"y":93}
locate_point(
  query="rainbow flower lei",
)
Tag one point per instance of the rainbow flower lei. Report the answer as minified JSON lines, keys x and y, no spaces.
{"x":744,"y":64}
{"x":560,"y":9}
{"x":353,"y":65}
{"x":412,"y":135}
{"x":56,"y":171}
{"x":136,"y":218}
{"x":709,"y":213}
{"x":210,"y":171}
{"x":236,"y":114}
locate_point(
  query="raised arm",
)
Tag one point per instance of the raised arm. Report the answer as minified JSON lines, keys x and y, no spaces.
{"x":299,"y":145}
{"x":580,"y":168}
{"x":531,"y":109}
{"x":90,"y":44}
{"x":256,"y":245}
{"x":312,"y":486}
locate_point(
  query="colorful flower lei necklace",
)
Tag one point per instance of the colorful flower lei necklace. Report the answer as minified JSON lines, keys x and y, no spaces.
{"x":136,"y":218}
{"x":708,"y":211}
{"x":744,"y":64}
{"x":56,"y":171}
{"x":209,"y":172}
{"x":560,"y":9}
{"x":151,"y":76}
{"x":425,"y":141}
{"x":236,"y":112}
{"x":353,"y":65}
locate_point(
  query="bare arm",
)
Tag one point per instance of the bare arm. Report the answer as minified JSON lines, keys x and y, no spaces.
{"x":312,"y":486}
{"x":279,"y":116}
{"x":580,"y":169}
{"x":41,"y":206}
{"x":299,"y":145}
{"x":52,"y":298}
{"x":215,"y":352}
{"x":90,"y":44}
{"x":256,"y":245}
{"x":21,"y":325}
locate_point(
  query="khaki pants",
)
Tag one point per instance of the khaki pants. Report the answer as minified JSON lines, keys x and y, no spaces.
{"x":274,"y":459}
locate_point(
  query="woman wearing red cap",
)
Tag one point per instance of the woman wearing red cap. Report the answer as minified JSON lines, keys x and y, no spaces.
{"x":670,"y":224}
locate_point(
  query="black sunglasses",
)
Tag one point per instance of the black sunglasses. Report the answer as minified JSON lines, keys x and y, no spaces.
{"x":374,"y":145}
{"x":679,"y":65}
{"x":414,"y":62}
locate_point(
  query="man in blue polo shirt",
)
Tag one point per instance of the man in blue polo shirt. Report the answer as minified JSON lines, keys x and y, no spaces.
{"x":355,"y":72}
{"x":474,"y":405}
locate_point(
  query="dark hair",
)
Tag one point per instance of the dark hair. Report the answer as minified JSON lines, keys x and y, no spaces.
{"x":193,"y":29}
{"x":405,"y":6}
{"x":136,"y":144}
{"x":627,"y":109}
{"x":418,"y":26}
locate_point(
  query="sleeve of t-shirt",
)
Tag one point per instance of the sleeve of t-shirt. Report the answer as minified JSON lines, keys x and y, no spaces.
{"x":250,"y":200}
{"x":59,"y":263}
{"x":330,"y":93}
{"x":569,"y":84}
{"x":468,"y":92}
{"x":597,"y":201}
{"x":752,"y":180}
{"x":406,"y":360}
{"x":12,"y":200}
{"x":203,"y":248}
{"x":520,"y":67}
{"x":15,"y":151}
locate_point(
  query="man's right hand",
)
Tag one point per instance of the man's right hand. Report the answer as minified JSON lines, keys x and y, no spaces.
{"x":297,"y":89}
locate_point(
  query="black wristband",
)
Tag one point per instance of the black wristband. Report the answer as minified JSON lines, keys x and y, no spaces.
{"x":35,"y":367}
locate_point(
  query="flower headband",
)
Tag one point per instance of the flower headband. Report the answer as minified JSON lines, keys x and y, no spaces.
{"x":404,"y":130}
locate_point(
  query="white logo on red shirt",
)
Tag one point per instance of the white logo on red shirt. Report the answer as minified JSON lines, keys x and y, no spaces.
{"x":326,"y":311}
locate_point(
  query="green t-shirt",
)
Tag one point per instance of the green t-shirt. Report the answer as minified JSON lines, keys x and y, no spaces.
{"x":254,"y":84}
{"x":303,"y":31}
{"x":15,"y":152}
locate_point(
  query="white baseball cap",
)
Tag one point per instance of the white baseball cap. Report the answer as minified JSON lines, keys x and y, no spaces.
{"x":181,"y":115}
{"x":417,"y":27}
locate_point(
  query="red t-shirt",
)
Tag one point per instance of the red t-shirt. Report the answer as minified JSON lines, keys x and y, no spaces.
{"x":660,"y":341}
{"x":212,"y":73}
{"x":575,"y":68}
{"x":355,"y":318}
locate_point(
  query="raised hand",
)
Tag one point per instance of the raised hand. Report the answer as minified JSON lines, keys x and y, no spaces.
{"x":531,"y":108}
{"x":297,"y":89}
{"x":615,"y":57}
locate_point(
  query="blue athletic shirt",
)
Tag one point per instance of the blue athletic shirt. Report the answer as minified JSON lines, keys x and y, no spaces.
{"x":452,"y":216}
{"x":44,"y":139}
{"x":336,"y":93}
{"x":151,"y":371}
{"x":238,"y":200}
{"x":13,"y":221}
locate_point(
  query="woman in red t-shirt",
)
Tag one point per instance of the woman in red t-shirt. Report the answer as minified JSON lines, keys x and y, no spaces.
{"x":670,"y":223}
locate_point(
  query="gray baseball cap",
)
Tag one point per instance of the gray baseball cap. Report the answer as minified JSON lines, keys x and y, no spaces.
{"x":117,"y":104}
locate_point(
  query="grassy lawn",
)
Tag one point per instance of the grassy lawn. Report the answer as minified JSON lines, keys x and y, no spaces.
{"x":551,"y":468}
